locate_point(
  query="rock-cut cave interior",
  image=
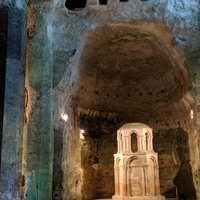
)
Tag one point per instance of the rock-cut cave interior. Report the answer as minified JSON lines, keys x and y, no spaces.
{"x":74,"y":73}
{"x":130,"y":75}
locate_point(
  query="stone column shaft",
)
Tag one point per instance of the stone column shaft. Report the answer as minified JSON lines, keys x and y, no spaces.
{"x":40,"y":142}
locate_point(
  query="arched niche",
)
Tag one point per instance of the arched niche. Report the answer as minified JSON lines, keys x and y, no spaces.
{"x":135,"y":177}
{"x":151,"y":177}
{"x":134,"y":142}
{"x":148,"y":141}
{"x":144,"y":104}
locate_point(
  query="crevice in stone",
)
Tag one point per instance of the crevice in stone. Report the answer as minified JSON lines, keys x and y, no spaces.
{"x":30,"y":22}
{"x":3,"y":55}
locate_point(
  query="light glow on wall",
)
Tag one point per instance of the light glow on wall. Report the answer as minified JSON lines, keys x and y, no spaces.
{"x":64,"y":116}
{"x":82,"y":137}
{"x":82,"y":131}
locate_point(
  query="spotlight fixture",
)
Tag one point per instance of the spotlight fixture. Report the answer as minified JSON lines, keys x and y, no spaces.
{"x":82,"y":137}
{"x":191,"y":114}
{"x":82,"y":131}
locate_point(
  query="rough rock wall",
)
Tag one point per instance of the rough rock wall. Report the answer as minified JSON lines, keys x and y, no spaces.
{"x":174,"y":163}
{"x":97,"y":149}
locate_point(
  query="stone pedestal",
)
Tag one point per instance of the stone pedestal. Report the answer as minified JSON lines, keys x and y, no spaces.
{"x":136,"y":173}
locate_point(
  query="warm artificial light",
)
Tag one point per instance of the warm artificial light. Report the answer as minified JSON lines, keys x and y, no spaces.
{"x":64,"y":117}
{"x":82,"y":137}
{"x":191,"y":114}
{"x":82,"y":131}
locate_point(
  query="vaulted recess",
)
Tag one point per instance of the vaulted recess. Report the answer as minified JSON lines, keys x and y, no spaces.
{"x":133,"y":72}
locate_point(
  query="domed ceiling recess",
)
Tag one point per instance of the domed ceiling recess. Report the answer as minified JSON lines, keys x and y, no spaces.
{"x":133,"y":71}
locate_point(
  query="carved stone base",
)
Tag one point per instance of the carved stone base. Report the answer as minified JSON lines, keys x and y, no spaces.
{"x":159,"y":197}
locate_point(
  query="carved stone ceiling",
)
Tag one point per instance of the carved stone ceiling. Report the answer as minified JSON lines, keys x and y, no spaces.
{"x":129,"y":71}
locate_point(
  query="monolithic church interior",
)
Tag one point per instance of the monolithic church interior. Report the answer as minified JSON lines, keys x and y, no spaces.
{"x":100,"y":99}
